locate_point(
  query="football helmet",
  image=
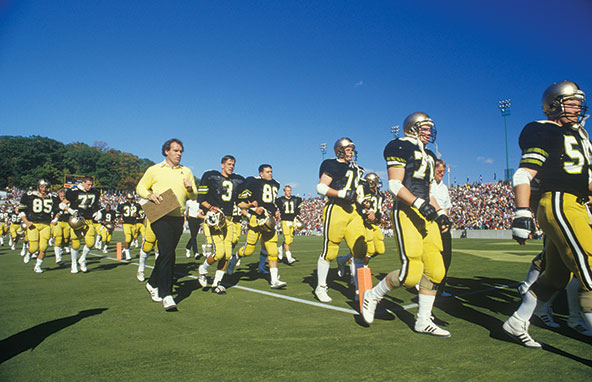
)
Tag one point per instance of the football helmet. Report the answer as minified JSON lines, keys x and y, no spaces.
{"x":373,"y":180}
{"x":417,"y":120}
{"x":266,"y":221}
{"x":130,"y":197}
{"x":340,"y":146}
{"x":43,"y":182}
{"x":555,"y":96}
{"x":76,"y":222}
{"x":298,"y":224}
{"x":216,"y":220}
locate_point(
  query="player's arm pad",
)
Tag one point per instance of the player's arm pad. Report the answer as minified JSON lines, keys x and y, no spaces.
{"x":322,"y":188}
{"x":395,"y":186}
{"x":521,"y":176}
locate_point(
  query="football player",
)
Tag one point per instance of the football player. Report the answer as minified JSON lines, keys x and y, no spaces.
{"x":84,"y":204}
{"x":108,"y":225}
{"x":417,"y":222}
{"x":38,"y":211}
{"x":129,"y":211}
{"x":289,"y":207}
{"x":147,"y":245}
{"x":557,"y":151}
{"x":3,"y":224}
{"x":257,"y":195}
{"x":216,"y":194}
{"x":372,"y":214}
{"x":16,"y":230}
{"x":339,"y":180}
{"x":61,"y":231}
{"x":140,"y":227}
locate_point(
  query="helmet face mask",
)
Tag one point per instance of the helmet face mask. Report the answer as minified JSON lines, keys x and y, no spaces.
{"x":340,"y":148}
{"x":565,"y":102}
{"x":43,"y":183}
{"x":373,"y":181}
{"x":420,"y":125}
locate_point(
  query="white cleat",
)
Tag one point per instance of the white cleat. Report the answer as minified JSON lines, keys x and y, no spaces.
{"x":369,"y":305}
{"x":58,"y":259}
{"x":27,"y":258}
{"x":279,"y":284}
{"x":202,"y":280}
{"x":219,"y":289}
{"x":428,"y":327}
{"x":546,"y":316}
{"x":280,"y":253}
{"x":153,"y":293}
{"x":188,"y":253}
{"x":105,"y":250}
{"x":12,"y":247}
{"x":321,"y":293}
{"x":168,"y":303}
{"x":140,"y":276}
{"x":517,"y":328}
{"x":291,"y":260}
{"x":37,"y":269}
{"x":579,"y":325}
{"x":82,"y":265}
{"x":74,"y":270}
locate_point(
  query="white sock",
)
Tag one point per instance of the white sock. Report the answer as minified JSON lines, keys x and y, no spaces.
{"x":203,"y":269}
{"x":143,"y":257}
{"x":425,"y":303}
{"x":85,"y":252}
{"x":39,"y":262}
{"x":532,"y":275}
{"x":573,"y":299}
{"x":381,"y":288}
{"x":323,"y":267}
{"x":57,"y":251}
{"x":526,"y":309}
{"x":289,"y":255}
{"x":74,"y":255}
{"x":218,"y":277}
{"x":273,"y":272}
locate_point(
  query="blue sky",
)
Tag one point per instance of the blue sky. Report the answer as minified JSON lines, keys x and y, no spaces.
{"x":269,"y":81}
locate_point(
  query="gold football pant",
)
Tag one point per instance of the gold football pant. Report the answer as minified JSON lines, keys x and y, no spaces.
{"x":268,"y":240}
{"x":374,"y":240}
{"x":3,"y":228}
{"x":236,"y":232}
{"x":61,"y":233}
{"x":106,"y":235}
{"x":222,"y":239}
{"x":88,"y":233}
{"x":288,"y":230}
{"x":420,"y":246}
{"x":149,"y":238}
{"x":339,"y":224}
{"x":140,"y":230}
{"x":130,"y":231}
{"x":568,"y":249}
{"x":38,"y":237}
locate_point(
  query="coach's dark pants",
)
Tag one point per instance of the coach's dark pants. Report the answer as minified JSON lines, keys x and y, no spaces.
{"x":193,"y":229}
{"x":168,"y":231}
{"x":446,"y":256}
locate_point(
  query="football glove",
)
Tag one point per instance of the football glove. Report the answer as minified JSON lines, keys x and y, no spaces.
{"x":443,"y":221}
{"x":425,"y":209}
{"x":349,"y":196}
{"x":522,"y":225}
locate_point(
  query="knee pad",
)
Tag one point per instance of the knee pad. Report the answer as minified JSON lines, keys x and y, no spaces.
{"x":586,"y":301}
{"x":426,"y":284}
{"x":393,"y":278}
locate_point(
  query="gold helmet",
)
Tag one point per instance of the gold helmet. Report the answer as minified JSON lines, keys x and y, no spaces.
{"x":266,"y":221}
{"x":216,"y":220}
{"x":417,"y":120}
{"x":373,"y":180}
{"x":298,"y":224}
{"x":129,"y":196}
{"x":555,"y":96}
{"x":341,"y":145}
{"x":76,"y":222}
{"x":43,"y":182}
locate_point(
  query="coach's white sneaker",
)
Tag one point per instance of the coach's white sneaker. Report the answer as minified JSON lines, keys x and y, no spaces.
{"x":278,"y":284}
{"x":202,"y":279}
{"x":579,"y":325}
{"x":168,"y":303}
{"x":545,"y":314}
{"x":188,"y":253}
{"x":517,"y":328}
{"x":153,"y":293}
{"x":369,"y":305}
{"x":321,"y":293}
{"x":428,"y":327}
{"x":140,"y":276}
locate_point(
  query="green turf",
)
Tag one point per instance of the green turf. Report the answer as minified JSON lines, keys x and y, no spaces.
{"x":102,"y":325}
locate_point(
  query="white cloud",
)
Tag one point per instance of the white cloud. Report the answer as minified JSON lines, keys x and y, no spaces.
{"x":485,"y":160}
{"x":359,"y":83}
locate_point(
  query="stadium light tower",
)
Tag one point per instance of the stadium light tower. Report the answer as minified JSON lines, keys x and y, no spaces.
{"x":504,"y":106}
{"x":395,"y":130}
{"x":323,"y":149}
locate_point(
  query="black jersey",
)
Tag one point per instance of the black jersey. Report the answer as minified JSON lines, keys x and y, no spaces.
{"x":419,"y":165}
{"x":39,"y":209}
{"x":14,"y":218}
{"x":109,"y":216}
{"x":260,"y":190}
{"x":85,"y":202}
{"x":140,"y":216}
{"x":375,"y":199}
{"x":344,"y":176}
{"x":558,"y":155}
{"x":218,"y":190}
{"x":129,"y":212}
{"x":289,"y":208}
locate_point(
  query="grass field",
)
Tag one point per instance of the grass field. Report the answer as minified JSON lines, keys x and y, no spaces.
{"x":102,"y":325}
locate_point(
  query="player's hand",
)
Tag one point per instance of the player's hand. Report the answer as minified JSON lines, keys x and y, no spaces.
{"x":443,"y":222}
{"x":425,"y":209}
{"x":522,"y":226}
{"x":371,"y":216}
{"x":154,"y":197}
{"x":259,"y":210}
